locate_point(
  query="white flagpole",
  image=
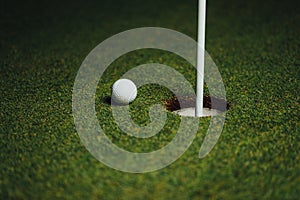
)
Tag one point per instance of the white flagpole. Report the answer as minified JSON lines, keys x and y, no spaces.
{"x":200,"y":56}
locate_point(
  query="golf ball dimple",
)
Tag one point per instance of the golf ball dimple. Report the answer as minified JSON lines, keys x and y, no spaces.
{"x":124,"y":91}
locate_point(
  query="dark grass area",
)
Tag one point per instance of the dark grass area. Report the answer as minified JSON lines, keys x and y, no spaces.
{"x":256,"y":47}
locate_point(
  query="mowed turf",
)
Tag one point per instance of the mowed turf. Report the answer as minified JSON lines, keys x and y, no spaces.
{"x":256,"y":46}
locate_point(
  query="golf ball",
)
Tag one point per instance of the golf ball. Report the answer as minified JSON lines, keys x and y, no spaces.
{"x":124,"y":91}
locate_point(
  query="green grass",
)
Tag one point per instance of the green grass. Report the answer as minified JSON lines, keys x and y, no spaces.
{"x":256,"y":47}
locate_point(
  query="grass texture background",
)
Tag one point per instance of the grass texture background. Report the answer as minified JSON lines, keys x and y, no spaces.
{"x":256,"y":46}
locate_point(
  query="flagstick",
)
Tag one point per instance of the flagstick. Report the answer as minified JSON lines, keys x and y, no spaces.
{"x":200,"y":57}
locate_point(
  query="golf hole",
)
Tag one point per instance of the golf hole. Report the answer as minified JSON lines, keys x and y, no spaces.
{"x":211,"y":106}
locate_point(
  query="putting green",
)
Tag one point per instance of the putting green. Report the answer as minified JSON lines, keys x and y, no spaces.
{"x":255,"y":44}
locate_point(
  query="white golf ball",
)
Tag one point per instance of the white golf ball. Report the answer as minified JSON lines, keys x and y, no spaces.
{"x":124,"y":91}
